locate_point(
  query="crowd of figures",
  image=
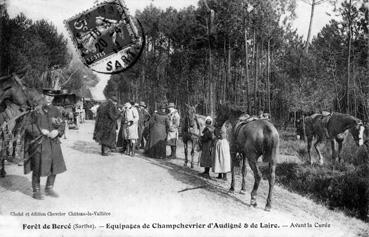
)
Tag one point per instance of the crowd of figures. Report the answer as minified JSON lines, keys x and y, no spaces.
{"x":152,"y":133}
{"x":137,"y":128}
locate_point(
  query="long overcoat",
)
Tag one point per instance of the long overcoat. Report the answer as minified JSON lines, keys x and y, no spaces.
{"x":38,"y":146}
{"x":143,"y":122}
{"x":207,"y":147}
{"x":131,"y":115}
{"x":173,"y":123}
{"x":156,"y":145}
{"x":105,"y":132}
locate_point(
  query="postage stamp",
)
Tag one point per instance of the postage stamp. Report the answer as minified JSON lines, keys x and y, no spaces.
{"x":106,"y":37}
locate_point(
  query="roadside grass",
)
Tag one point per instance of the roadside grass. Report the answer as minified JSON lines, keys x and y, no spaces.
{"x":343,"y":186}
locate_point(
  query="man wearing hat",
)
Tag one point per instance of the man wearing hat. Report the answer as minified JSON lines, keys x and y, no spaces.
{"x":172,"y":129}
{"x":131,"y":120}
{"x":143,"y":120}
{"x":43,"y":154}
{"x":105,"y":132}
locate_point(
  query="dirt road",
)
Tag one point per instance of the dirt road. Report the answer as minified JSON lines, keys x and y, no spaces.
{"x":138,"y":196}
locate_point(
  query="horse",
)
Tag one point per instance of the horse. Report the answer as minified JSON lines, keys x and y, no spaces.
{"x":332,"y":127}
{"x":21,"y":101}
{"x":250,"y":139}
{"x":193,"y":125}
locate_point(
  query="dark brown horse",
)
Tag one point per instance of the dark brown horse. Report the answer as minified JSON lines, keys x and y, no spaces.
{"x":193,"y":124}
{"x":251,"y":140}
{"x":332,"y":127}
{"x":13,"y":92}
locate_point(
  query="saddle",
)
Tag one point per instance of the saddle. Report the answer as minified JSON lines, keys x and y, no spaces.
{"x":243,"y":120}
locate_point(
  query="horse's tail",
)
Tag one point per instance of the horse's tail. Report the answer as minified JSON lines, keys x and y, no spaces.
{"x":271,"y":144}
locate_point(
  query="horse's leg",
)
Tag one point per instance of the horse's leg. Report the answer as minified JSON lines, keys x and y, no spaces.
{"x":186,"y":152}
{"x":317,"y":143}
{"x":340,"y":143}
{"x":252,"y":158}
{"x":334,"y":154}
{"x":271,"y":178}
{"x":192,"y":152}
{"x":309,"y":141}
{"x":244,"y":173}
{"x":2,"y":171}
{"x":233,"y":157}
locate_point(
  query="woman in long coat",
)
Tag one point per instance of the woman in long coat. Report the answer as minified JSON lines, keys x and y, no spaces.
{"x":105,"y":132}
{"x":206,"y":141}
{"x":156,"y":145}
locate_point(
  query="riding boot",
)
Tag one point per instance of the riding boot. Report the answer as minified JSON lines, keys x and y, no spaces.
{"x":173,"y":149}
{"x":36,"y":187}
{"x":103,"y":150}
{"x":49,"y":189}
{"x":132,"y":145}
{"x":225,"y":176}
{"x":206,"y":171}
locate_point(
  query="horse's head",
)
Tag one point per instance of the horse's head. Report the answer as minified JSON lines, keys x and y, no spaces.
{"x":359,"y":132}
{"x":191,"y":115}
{"x":226,"y":112}
{"x":12,"y":89}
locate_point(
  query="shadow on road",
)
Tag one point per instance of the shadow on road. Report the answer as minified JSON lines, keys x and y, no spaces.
{"x":86,"y":147}
{"x":194,"y":180}
{"x":16,"y":183}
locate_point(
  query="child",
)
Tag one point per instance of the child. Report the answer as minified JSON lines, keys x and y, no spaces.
{"x":222,"y":155}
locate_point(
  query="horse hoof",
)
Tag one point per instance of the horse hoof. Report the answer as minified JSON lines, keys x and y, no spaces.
{"x":268,"y":209}
{"x":253,"y":203}
{"x":2,"y":174}
{"x":243,"y":192}
{"x":192,"y":166}
{"x":231,"y":190}
{"x":185,"y":164}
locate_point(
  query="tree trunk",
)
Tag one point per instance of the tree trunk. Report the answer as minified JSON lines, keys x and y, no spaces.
{"x":256,"y":79}
{"x":310,"y":26}
{"x":229,"y":75}
{"x":247,"y":71}
{"x":268,"y":79}
{"x":348,"y":63}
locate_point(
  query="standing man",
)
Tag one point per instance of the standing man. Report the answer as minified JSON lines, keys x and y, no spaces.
{"x":131,"y":118}
{"x":43,"y":154}
{"x":172,"y":128}
{"x":144,"y":118}
{"x":105,"y":132}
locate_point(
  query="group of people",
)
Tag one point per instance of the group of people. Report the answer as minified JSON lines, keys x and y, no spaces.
{"x":137,"y":130}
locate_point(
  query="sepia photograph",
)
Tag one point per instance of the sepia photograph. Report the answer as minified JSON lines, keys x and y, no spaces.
{"x":184,"y":118}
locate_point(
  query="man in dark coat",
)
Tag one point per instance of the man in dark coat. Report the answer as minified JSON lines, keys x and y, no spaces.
{"x":144,"y":118}
{"x":105,"y":132}
{"x":43,"y":154}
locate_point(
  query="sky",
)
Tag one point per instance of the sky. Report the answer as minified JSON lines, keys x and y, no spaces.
{"x":57,"y":11}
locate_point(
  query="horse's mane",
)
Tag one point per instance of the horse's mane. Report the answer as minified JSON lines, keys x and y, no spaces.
{"x":233,"y":109}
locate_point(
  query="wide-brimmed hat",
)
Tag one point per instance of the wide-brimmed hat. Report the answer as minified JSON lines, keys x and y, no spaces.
{"x":127,"y":105}
{"x":171,"y":105}
{"x":142,"y":104}
{"x":50,"y":92}
{"x":136,"y":105}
